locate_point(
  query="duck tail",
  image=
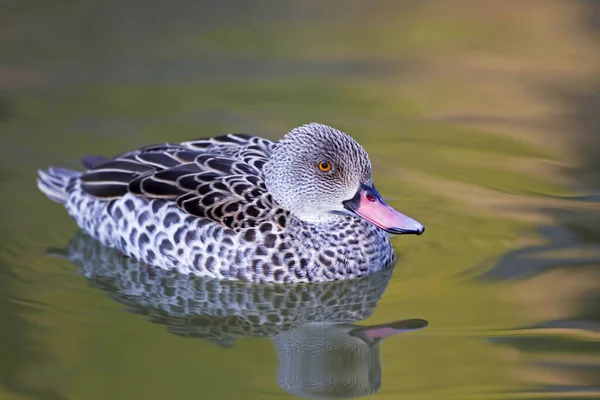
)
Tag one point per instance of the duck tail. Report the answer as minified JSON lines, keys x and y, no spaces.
{"x":55,"y":183}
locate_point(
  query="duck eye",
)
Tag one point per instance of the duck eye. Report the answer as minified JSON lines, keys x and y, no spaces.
{"x":324,"y":166}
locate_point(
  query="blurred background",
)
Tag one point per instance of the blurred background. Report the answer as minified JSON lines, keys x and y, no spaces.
{"x":482,"y":121}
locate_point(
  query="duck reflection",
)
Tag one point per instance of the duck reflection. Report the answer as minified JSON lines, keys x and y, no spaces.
{"x":321,"y":352}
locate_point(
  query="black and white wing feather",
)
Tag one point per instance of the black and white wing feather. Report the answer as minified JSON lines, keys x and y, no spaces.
{"x":220,"y":178}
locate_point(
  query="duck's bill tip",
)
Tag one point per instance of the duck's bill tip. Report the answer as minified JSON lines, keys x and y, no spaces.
{"x":371,"y":207}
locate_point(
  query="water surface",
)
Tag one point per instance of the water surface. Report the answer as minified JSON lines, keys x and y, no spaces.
{"x":480,"y":123}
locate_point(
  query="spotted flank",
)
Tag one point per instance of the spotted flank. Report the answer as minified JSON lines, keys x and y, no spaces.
{"x":238,"y":207}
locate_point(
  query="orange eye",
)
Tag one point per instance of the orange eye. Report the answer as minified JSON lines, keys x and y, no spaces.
{"x":324,"y":166}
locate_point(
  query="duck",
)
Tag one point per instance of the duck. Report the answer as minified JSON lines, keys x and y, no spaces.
{"x":303,"y":209}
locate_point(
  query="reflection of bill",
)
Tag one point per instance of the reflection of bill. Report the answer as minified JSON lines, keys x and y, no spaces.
{"x":321,"y":352}
{"x":334,"y":360}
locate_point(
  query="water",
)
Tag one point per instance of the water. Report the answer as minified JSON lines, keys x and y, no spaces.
{"x":481,"y":121}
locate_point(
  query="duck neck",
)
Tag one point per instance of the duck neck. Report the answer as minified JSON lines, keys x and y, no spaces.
{"x":320,"y":218}
{"x":323,"y":222}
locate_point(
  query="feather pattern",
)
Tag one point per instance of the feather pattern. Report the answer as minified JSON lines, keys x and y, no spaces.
{"x":213,"y":178}
{"x":204,"y":207}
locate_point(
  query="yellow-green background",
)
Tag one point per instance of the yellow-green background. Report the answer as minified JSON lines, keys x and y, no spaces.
{"x":481,"y":119}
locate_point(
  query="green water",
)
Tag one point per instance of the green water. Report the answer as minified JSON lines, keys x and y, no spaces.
{"x":480,"y":123}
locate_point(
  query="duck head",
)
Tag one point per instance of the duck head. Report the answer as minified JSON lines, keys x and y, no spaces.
{"x":317,"y":173}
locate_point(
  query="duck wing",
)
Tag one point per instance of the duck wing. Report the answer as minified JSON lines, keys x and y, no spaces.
{"x":219,"y":178}
{"x":253,"y":150}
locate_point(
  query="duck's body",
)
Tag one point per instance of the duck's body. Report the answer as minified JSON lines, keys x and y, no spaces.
{"x":226,"y":208}
{"x":157,"y":232}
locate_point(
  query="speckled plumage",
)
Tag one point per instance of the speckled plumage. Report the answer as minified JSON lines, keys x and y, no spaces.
{"x":229,"y":207}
